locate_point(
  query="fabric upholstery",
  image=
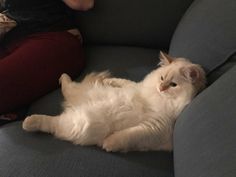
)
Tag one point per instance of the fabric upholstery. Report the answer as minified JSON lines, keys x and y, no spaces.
{"x":130,"y":22}
{"x":206,"y":33}
{"x":40,"y":155}
{"x":219,"y":71}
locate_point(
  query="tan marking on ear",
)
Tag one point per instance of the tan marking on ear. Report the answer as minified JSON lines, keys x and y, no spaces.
{"x":191,"y":73}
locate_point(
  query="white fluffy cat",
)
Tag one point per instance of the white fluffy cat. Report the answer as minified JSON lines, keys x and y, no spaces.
{"x":122,"y":115}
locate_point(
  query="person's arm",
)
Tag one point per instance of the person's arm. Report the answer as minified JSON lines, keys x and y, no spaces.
{"x":79,"y":4}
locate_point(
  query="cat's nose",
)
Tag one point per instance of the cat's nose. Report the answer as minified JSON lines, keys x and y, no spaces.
{"x":163,"y":87}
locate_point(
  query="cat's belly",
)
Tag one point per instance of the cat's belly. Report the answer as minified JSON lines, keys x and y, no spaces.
{"x":118,"y":108}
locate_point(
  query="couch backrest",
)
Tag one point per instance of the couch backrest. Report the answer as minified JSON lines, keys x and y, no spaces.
{"x":132,"y":22}
{"x":207,"y":33}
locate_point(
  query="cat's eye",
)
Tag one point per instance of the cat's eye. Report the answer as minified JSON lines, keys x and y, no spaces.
{"x":162,"y":78}
{"x":173,"y":84}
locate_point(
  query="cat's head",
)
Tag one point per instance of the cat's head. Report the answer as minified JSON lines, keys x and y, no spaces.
{"x":179,"y":77}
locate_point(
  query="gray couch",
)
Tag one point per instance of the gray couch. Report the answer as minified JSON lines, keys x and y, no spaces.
{"x":125,"y":36}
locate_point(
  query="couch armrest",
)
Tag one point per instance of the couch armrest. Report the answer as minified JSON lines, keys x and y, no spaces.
{"x":205,"y":133}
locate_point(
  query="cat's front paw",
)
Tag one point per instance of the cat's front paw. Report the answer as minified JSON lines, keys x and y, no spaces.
{"x":113,"y":144}
{"x":31,"y":123}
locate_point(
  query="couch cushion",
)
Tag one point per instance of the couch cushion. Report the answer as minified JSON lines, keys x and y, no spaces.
{"x":219,"y":71}
{"x":36,"y":154}
{"x":132,"y":22}
{"x":25,"y":154}
{"x":207,"y":33}
{"x":205,"y":133}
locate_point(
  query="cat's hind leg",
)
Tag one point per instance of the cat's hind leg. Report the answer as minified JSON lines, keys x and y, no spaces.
{"x":67,"y":86}
{"x":75,"y":93}
{"x":61,"y":126}
{"x":42,"y":123}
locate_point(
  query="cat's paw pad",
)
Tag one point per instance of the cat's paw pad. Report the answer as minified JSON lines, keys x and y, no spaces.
{"x":31,"y":123}
{"x":64,"y":78}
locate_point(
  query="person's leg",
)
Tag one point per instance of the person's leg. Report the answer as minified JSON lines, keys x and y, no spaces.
{"x":33,"y":68}
{"x":2,"y":52}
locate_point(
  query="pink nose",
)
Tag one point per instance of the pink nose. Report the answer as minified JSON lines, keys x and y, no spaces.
{"x":163,"y":87}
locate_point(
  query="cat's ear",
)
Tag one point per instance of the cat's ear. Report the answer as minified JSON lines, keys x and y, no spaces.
{"x":165,"y":59}
{"x":192,"y":73}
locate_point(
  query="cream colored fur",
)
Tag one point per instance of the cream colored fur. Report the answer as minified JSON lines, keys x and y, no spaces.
{"x":122,"y":115}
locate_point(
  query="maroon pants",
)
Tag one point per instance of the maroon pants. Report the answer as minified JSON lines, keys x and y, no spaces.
{"x":31,"y":67}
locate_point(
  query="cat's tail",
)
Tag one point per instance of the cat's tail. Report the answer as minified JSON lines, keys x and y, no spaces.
{"x":96,"y":77}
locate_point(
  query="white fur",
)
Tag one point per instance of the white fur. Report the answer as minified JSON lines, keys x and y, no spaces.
{"x":118,"y":114}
